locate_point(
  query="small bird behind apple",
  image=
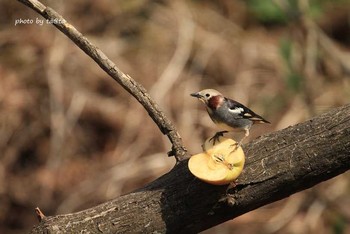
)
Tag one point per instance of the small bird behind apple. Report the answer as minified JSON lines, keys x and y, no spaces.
{"x":227,"y":114}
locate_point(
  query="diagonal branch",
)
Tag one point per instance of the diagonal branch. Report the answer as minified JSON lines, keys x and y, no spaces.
{"x":278,"y":165}
{"x":129,"y":84}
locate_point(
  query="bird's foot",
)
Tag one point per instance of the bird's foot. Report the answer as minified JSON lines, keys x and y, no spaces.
{"x":237,"y":145}
{"x":216,"y":137}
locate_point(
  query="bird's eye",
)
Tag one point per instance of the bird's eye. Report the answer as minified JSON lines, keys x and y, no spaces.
{"x":207,"y":95}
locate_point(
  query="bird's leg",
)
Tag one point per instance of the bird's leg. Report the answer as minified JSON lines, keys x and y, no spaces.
{"x":245,"y":136}
{"x":240,"y":143}
{"x":217,"y":136}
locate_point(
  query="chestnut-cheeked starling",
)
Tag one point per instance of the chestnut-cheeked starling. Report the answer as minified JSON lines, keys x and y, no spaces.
{"x":228,"y":114}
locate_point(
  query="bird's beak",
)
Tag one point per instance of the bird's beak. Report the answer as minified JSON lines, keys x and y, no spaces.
{"x":197,"y":95}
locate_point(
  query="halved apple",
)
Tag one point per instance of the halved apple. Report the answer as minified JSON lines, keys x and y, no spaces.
{"x":219,"y":164}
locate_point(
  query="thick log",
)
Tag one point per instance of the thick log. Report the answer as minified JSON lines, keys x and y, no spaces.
{"x":278,"y":165}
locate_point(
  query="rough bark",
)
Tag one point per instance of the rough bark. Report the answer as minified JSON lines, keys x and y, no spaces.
{"x":278,"y":165}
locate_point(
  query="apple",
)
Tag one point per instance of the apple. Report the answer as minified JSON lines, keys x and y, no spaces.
{"x":220,"y":163}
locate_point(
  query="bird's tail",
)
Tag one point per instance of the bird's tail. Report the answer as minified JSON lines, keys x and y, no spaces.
{"x":259,"y":119}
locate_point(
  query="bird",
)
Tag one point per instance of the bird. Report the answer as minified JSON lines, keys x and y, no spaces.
{"x":229,"y":115}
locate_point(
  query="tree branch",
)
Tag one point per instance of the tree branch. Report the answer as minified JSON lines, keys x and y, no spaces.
{"x":278,"y":165}
{"x":129,"y":84}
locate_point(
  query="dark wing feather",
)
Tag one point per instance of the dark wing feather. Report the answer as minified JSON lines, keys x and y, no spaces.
{"x":244,"y":112}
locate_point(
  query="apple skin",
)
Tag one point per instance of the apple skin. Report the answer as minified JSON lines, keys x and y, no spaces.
{"x":219,"y":164}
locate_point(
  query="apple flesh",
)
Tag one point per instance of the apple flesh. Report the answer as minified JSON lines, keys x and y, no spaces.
{"x":219,"y":164}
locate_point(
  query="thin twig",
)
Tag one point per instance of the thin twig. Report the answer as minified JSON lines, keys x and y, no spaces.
{"x":129,"y":84}
{"x":40,"y":215}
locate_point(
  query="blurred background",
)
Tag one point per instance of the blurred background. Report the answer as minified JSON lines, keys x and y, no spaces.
{"x":72,"y":138}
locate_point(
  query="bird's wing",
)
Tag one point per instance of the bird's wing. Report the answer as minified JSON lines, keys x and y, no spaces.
{"x":243,"y":111}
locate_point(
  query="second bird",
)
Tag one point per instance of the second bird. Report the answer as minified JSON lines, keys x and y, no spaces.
{"x":228,"y":114}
